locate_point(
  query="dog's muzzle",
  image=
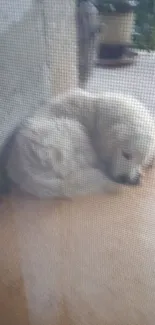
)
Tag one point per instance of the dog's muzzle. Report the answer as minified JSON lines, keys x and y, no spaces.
{"x":126,"y":180}
{"x":123,"y":179}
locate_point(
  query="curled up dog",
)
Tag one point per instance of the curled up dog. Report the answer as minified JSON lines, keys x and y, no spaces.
{"x":85,"y":143}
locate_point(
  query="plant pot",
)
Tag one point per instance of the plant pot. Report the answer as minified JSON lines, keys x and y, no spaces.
{"x":117,"y":28}
{"x":116,"y":36}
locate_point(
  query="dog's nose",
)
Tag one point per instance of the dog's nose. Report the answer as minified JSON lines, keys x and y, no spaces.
{"x":123,"y":179}
{"x":126,"y":180}
{"x":136,"y":180}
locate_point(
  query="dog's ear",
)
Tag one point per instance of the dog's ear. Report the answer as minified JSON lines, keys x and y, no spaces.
{"x":112,"y":138}
{"x":116,"y":134}
{"x":119,"y":130}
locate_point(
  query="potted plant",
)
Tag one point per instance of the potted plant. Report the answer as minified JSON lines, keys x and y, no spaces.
{"x":117,"y":25}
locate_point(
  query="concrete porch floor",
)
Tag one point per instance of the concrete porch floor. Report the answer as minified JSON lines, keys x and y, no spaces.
{"x":86,"y":262}
{"x":137,"y":79}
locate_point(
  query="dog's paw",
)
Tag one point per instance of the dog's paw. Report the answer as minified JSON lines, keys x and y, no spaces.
{"x":150,"y":164}
{"x":90,"y":181}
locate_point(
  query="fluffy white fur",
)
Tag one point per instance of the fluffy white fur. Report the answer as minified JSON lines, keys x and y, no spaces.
{"x":59,"y":154}
{"x":117,"y":124}
{"x":55,"y":158}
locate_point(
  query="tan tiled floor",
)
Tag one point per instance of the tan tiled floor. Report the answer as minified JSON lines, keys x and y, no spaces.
{"x":90,"y":261}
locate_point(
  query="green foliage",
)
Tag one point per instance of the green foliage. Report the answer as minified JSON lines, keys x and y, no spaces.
{"x":144,"y":37}
{"x":121,"y":6}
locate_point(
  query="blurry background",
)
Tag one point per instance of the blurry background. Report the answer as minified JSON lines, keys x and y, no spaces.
{"x":144,"y":34}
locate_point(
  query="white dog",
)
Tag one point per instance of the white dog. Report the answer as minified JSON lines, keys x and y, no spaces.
{"x":63,"y":153}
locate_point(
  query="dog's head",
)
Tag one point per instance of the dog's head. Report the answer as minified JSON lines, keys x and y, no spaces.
{"x":128,"y":150}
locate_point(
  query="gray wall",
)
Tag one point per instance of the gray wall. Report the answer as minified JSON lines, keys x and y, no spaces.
{"x":37,"y":56}
{"x":61,"y":43}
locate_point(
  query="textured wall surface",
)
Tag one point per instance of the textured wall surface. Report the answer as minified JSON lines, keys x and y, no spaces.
{"x":61,"y":43}
{"x":37,"y":54}
{"x":22,"y":55}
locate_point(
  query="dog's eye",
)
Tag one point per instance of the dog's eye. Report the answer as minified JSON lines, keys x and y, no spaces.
{"x":126,"y":155}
